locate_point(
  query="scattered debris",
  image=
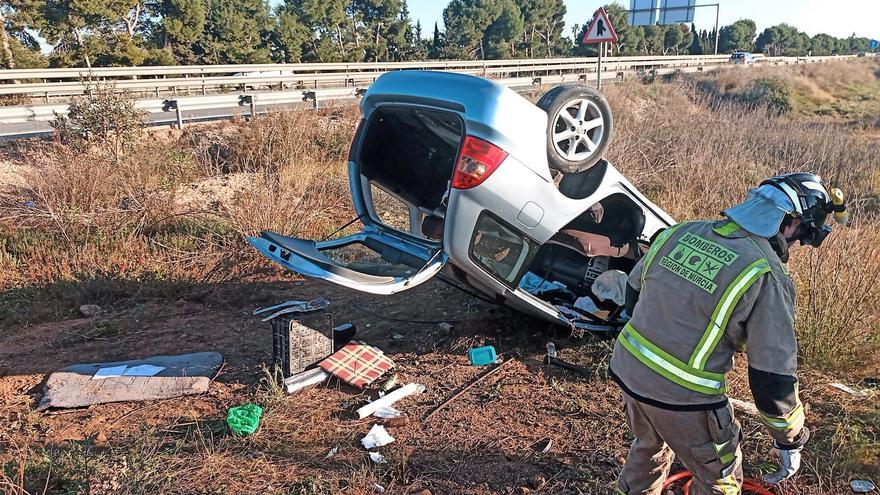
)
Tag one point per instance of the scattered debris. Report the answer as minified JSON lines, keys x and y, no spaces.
{"x":301,"y":340}
{"x":376,"y":437}
{"x":523,"y":490}
{"x":482,"y":356}
{"x":90,"y":310}
{"x":446,"y":328}
{"x":423,"y":492}
{"x":378,"y":458}
{"x":109,"y":372}
{"x":357,"y":364}
{"x":396,"y":336}
{"x":390,"y":383}
{"x":304,"y":380}
{"x":862,"y":486}
{"x":123,"y":370}
{"x":746,"y":407}
{"x":391,"y":398}
{"x":387,"y":413}
{"x":244,"y":420}
{"x":553,"y":361}
{"x":158,"y":377}
{"x":332,"y":452}
{"x":343,"y":334}
{"x":289,"y":307}
{"x":848,"y":390}
{"x":464,"y":389}
{"x":378,"y":488}
{"x":871,"y":382}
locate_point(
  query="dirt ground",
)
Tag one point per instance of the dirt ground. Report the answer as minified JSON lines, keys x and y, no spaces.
{"x":492,"y":439}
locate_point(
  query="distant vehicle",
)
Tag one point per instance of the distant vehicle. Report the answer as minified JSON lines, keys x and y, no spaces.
{"x":862,"y":54}
{"x":515,"y":196}
{"x":742,"y":58}
{"x":268,"y":74}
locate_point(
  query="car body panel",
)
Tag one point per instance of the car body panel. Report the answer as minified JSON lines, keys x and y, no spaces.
{"x":309,"y":258}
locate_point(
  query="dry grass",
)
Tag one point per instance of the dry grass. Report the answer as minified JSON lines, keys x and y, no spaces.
{"x":849,"y":89}
{"x":81,"y":213}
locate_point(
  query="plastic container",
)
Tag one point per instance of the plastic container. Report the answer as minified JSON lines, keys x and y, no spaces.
{"x":482,"y":356}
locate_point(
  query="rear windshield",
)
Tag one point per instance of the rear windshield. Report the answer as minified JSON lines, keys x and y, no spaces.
{"x":411,"y":152}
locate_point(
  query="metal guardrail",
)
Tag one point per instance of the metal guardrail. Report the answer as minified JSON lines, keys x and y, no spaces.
{"x":48,"y":83}
{"x":16,"y":121}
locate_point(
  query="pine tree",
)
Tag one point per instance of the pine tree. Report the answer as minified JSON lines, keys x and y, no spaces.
{"x":543,"y":27}
{"x":291,"y":37}
{"x":436,"y":50}
{"x":333,"y":31}
{"x":180,"y":24}
{"x":236,"y":32}
{"x":466,"y":23}
{"x":16,"y":17}
{"x":501,"y":35}
{"x":104,"y":32}
{"x":696,"y":47}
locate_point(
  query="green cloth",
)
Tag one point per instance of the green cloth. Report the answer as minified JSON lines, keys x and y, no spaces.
{"x":244,"y":420}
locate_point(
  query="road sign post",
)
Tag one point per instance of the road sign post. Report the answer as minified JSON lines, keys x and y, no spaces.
{"x":600,"y":31}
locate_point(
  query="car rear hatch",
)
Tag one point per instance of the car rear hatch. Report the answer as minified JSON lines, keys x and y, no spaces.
{"x":405,"y":151}
{"x":372,"y":260}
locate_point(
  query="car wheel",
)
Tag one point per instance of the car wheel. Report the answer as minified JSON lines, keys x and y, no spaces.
{"x":579,"y":127}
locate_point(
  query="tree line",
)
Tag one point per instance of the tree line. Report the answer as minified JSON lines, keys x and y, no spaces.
{"x":171,"y":32}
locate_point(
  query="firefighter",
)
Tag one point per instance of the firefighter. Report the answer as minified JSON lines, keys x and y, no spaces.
{"x":703,"y":291}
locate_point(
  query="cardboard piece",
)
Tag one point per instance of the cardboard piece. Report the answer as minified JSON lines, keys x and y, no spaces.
{"x":83,"y":385}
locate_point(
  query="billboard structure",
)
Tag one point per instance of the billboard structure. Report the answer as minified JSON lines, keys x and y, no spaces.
{"x":651,"y":12}
{"x":643,"y":12}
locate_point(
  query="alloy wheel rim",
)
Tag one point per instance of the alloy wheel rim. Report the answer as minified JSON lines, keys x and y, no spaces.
{"x":578,"y":128}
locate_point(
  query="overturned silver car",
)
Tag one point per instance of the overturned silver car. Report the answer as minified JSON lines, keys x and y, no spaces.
{"x":456,"y":173}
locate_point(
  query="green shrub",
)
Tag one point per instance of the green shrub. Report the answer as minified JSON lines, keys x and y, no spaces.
{"x":771,"y":92}
{"x":103,"y":116}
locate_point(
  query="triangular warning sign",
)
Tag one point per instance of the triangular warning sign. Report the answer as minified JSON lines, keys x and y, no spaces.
{"x":600,"y":29}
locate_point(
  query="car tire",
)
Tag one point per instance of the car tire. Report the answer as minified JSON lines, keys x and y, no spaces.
{"x":578,"y":116}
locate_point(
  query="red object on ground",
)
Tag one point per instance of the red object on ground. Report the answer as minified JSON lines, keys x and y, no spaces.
{"x":749,"y":485}
{"x":357,"y":364}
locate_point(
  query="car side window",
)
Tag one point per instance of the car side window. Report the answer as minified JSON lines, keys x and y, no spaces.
{"x":501,"y":250}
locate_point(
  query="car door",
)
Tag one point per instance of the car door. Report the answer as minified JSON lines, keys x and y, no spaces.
{"x":375,"y":260}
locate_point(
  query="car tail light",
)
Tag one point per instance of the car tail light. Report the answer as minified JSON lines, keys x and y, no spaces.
{"x":477,"y":161}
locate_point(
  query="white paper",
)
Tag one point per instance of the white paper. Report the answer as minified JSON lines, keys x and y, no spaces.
{"x":391,"y":398}
{"x":377,"y":458}
{"x":387,"y":412}
{"x":376,"y":437}
{"x":110,"y":372}
{"x":143,"y":370}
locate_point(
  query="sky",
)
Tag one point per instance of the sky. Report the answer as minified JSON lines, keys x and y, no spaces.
{"x":839,"y":18}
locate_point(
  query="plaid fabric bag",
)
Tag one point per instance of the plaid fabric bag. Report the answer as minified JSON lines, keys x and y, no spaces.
{"x":357,"y":364}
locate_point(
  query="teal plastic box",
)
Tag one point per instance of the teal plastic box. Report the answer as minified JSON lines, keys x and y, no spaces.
{"x":482,"y":356}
